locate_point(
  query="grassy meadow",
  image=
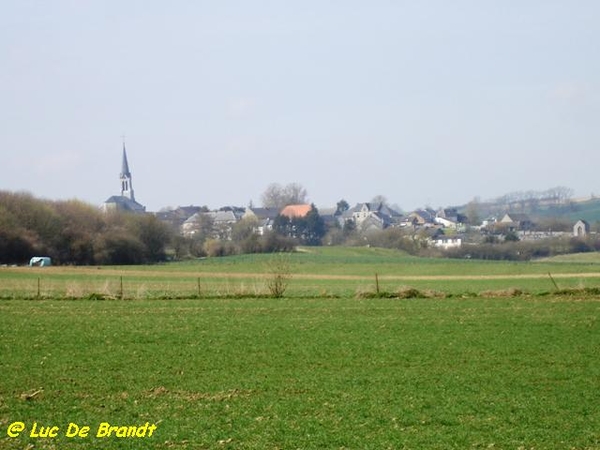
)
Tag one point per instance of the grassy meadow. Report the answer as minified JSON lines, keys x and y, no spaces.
{"x":316,"y":272}
{"x":322,"y":368}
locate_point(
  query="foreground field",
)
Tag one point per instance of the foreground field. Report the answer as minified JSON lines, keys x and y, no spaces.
{"x":304,"y":373}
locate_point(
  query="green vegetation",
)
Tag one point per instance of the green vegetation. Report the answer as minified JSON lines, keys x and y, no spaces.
{"x":463,"y":354}
{"x":314,"y":272}
{"x":305,"y":373}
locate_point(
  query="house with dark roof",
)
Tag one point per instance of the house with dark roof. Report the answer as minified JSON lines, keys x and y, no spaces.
{"x":264,"y":218}
{"x":423,"y":217}
{"x":371,"y":216}
{"x":449,"y":218}
{"x":516,"y":222}
{"x":176,"y":217}
{"x":221,"y":222}
{"x":126,"y":201}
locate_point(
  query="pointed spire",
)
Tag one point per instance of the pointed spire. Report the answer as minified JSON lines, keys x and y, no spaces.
{"x":125,"y":164}
{"x":126,"y":185}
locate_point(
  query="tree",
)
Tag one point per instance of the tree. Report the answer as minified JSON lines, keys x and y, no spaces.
{"x":277,"y":196}
{"x":203,"y":227}
{"x":472,"y":212}
{"x":118,"y":247}
{"x":314,"y":227}
{"x":379,"y":200}
{"x":308,"y":230}
{"x":342,"y":206}
{"x":80,"y":223}
{"x":153,"y":234}
{"x":244,"y":235}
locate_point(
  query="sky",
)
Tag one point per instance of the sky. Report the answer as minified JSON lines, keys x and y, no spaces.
{"x":428,"y":103}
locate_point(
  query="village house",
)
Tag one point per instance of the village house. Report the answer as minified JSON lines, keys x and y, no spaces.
{"x":371,"y":216}
{"x":264,"y":218}
{"x":296,"y":211}
{"x":423,"y":217}
{"x":446,"y":242}
{"x":176,"y":217}
{"x":516,"y":222}
{"x":220,"y":222}
{"x":449,"y":218}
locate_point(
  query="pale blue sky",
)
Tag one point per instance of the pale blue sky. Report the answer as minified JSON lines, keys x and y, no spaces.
{"x":424,"y":102}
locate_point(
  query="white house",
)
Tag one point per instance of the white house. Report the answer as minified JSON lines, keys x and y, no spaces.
{"x":447,"y":242}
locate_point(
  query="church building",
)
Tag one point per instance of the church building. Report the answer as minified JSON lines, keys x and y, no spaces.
{"x":126,"y":201}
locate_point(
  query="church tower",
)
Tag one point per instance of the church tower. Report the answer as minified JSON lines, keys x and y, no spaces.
{"x":126,"y":186}
{"x":125,"y":201}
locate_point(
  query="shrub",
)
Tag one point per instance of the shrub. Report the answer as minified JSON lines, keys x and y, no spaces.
{"x":278,"y":275}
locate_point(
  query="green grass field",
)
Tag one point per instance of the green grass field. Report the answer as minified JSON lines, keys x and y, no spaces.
{"x":316,"y":272}
{"x":305,"y":371}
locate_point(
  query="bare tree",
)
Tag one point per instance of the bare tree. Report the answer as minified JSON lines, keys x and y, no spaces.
{"x":278,"y":196}
{"x":380,"y":200}
{"x":295,"y":194}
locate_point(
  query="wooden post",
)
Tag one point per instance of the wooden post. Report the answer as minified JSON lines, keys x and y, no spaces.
{"x":377,"y":283}
{"x":39,"y":291}
{"x":199,"y":288}
{"x":121,"y":289}
{"x":553,"y":282}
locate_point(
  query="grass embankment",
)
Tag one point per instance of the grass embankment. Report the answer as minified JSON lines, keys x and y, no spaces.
{"x":316,"y":272}
{"x":305,"y":373}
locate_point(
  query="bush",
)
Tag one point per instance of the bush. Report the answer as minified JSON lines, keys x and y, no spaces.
{"x":397,"y":239}
{"x":278,"y":275}
{"x":215,"y":247}
{"x":118,"y":248}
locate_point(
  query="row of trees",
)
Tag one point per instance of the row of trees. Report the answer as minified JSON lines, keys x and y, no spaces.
{"x":72,"y":232}
{"x":557,"y":195}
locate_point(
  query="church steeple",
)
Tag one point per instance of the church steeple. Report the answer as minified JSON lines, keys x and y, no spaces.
{"x":126,"y":201}
{"x":126,"y":186}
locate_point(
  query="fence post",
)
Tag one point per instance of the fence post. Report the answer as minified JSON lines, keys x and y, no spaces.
{"x":553,"y":282}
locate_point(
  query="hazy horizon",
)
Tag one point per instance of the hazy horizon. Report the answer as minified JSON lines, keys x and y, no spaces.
{"x":427,"y":103}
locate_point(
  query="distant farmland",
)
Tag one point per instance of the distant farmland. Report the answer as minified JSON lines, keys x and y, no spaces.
{"x":315,"y":272}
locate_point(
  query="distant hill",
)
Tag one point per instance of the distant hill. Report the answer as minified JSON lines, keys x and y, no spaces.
{"x":588,"y":210}
{"x":567,"y":211}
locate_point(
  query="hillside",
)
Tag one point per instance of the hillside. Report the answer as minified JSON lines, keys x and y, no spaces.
{"x":588,"y":210}
{"x":571,"y":211}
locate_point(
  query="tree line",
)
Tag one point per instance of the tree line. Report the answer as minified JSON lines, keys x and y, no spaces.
{"x":73,"y":232}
